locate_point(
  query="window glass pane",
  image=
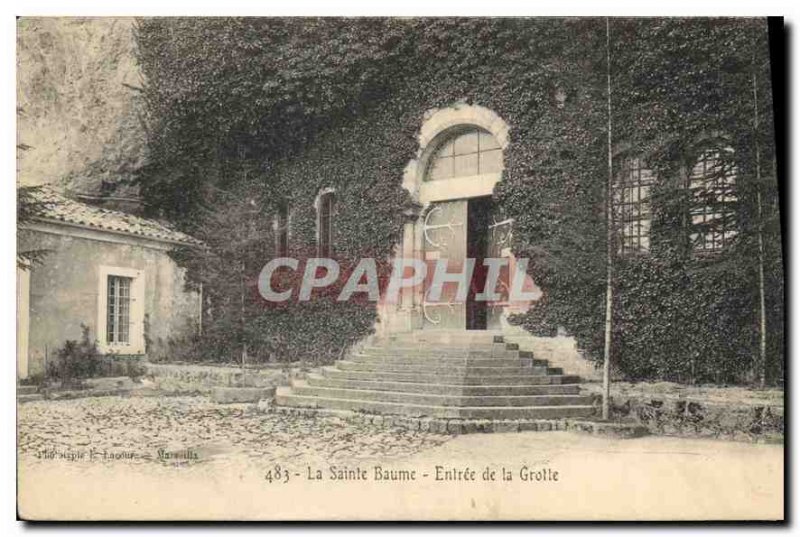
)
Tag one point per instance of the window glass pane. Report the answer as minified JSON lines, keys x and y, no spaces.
{"x":466,"y":165}
{"x":632,"y":205}
{"x":283,"y":243}
{"x":282,"y":231}
{"x":644,"y":197}
{"x":491,"y":161}
{"x":124,"y":319}
{"x":446,"y":150}
{"x":487,"y":141}
{"x":712,"y":182}
{"x":466,"y":154}
{"x":124,"y":287}
{"x":466,"y":143}
{"x":727,"y":195}
{"x":627,"y":230}
{"x":111,"y":317}
{"x":118,"y":309}
{"x":441,"y":168}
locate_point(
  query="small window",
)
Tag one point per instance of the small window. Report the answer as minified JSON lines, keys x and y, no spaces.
{"x":632,"y":206}
{"x":281,"y":226}
{"x":470,"y":152}
{"x":327,"y":206}
{"x":118,"y":310}
{"x":712,"y":184}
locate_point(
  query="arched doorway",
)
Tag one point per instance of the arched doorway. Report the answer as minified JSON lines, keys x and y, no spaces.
{"x":459,"y":161}
{"x":456,"y":233}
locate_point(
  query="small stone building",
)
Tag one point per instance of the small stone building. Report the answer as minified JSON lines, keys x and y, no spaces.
{"x":103,"y":269}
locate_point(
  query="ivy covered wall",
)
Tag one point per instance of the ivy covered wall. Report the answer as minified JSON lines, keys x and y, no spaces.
{"x":248,"y":115}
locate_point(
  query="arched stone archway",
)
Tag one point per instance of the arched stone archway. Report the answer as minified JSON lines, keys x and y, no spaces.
{"x":451,"y":194}
{"x":439,"y":123}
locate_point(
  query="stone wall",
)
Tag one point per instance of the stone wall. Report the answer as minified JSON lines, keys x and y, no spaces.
{"x":193,"y":378}
{"x":667,"y":408}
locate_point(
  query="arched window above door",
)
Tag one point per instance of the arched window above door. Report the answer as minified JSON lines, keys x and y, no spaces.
{"x":460,"y":155}
{"x":465,"y":152}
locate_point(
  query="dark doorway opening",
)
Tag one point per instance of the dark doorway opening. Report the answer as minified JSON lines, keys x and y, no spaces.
{"x":479,"y":212}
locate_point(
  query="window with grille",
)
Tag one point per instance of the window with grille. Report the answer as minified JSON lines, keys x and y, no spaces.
{"x":119,"y":310}
{"x":712,"y":184}
{"x":468,"y":153}
{"x":632,"y":206}
{"x":282,"y":231}
{"x":327,"y":206}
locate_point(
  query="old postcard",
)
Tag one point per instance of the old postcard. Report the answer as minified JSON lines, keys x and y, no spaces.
{"x":377,"y":268}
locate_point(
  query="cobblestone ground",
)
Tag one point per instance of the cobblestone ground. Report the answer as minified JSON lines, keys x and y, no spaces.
{"x":133,"y":430}
{"x":240,"y":446}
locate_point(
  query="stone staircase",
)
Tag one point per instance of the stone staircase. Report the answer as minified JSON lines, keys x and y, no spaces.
{"x":28,"y":393}
{"x":474,"y":375}
{"x":560,"y":351}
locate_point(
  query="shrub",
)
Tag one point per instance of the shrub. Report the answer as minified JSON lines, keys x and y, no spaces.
{"x":76,"y":360}
{"x":36,"y":379}
{"x":79,"y":360}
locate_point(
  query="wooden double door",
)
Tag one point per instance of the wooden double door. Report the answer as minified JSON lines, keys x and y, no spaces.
{"x":459,"y":230}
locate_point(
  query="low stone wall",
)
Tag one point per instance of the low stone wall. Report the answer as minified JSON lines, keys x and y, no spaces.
{"x":193,"y":378}
{"x":457,"y":426}
{"x":730,"y":413}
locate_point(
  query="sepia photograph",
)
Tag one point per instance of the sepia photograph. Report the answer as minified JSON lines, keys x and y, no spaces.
{"x":417,"y":268}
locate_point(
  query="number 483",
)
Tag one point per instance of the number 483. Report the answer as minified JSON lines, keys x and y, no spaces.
{"x":277,"y":475}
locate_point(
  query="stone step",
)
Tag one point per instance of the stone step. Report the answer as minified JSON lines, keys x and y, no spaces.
{"x":446,"y":331}
{"x":440,"y":378}
{"x":26,"y":390}
{"x":455,"y":343}
{"x":444,"y":389}
{"x":303,"y":389}
{"x":444,"y":362}
{"x":443,"y":374}
{"x":455,"y":346}
{"x":446,"y":336}
{"x":560,"y":351}
{"x":432,"y":355}
{"x":439,"y":353}
{"x":285,"y":397}
{"x":27,"y":397}
{"x":434,"y":367}
{"x":434,"y":352}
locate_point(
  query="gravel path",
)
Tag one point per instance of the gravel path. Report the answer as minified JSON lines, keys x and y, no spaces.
{"x":239,"y":446}
{"x":133,"y":430}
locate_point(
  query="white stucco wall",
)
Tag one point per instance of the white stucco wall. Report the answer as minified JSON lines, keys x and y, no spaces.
{"x":64,"y":288}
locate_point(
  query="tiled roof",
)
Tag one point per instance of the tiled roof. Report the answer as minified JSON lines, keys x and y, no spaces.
{"x":57,"y":207}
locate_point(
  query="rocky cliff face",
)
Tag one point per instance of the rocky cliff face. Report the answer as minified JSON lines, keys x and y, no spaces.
{"x":79,"y":104}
